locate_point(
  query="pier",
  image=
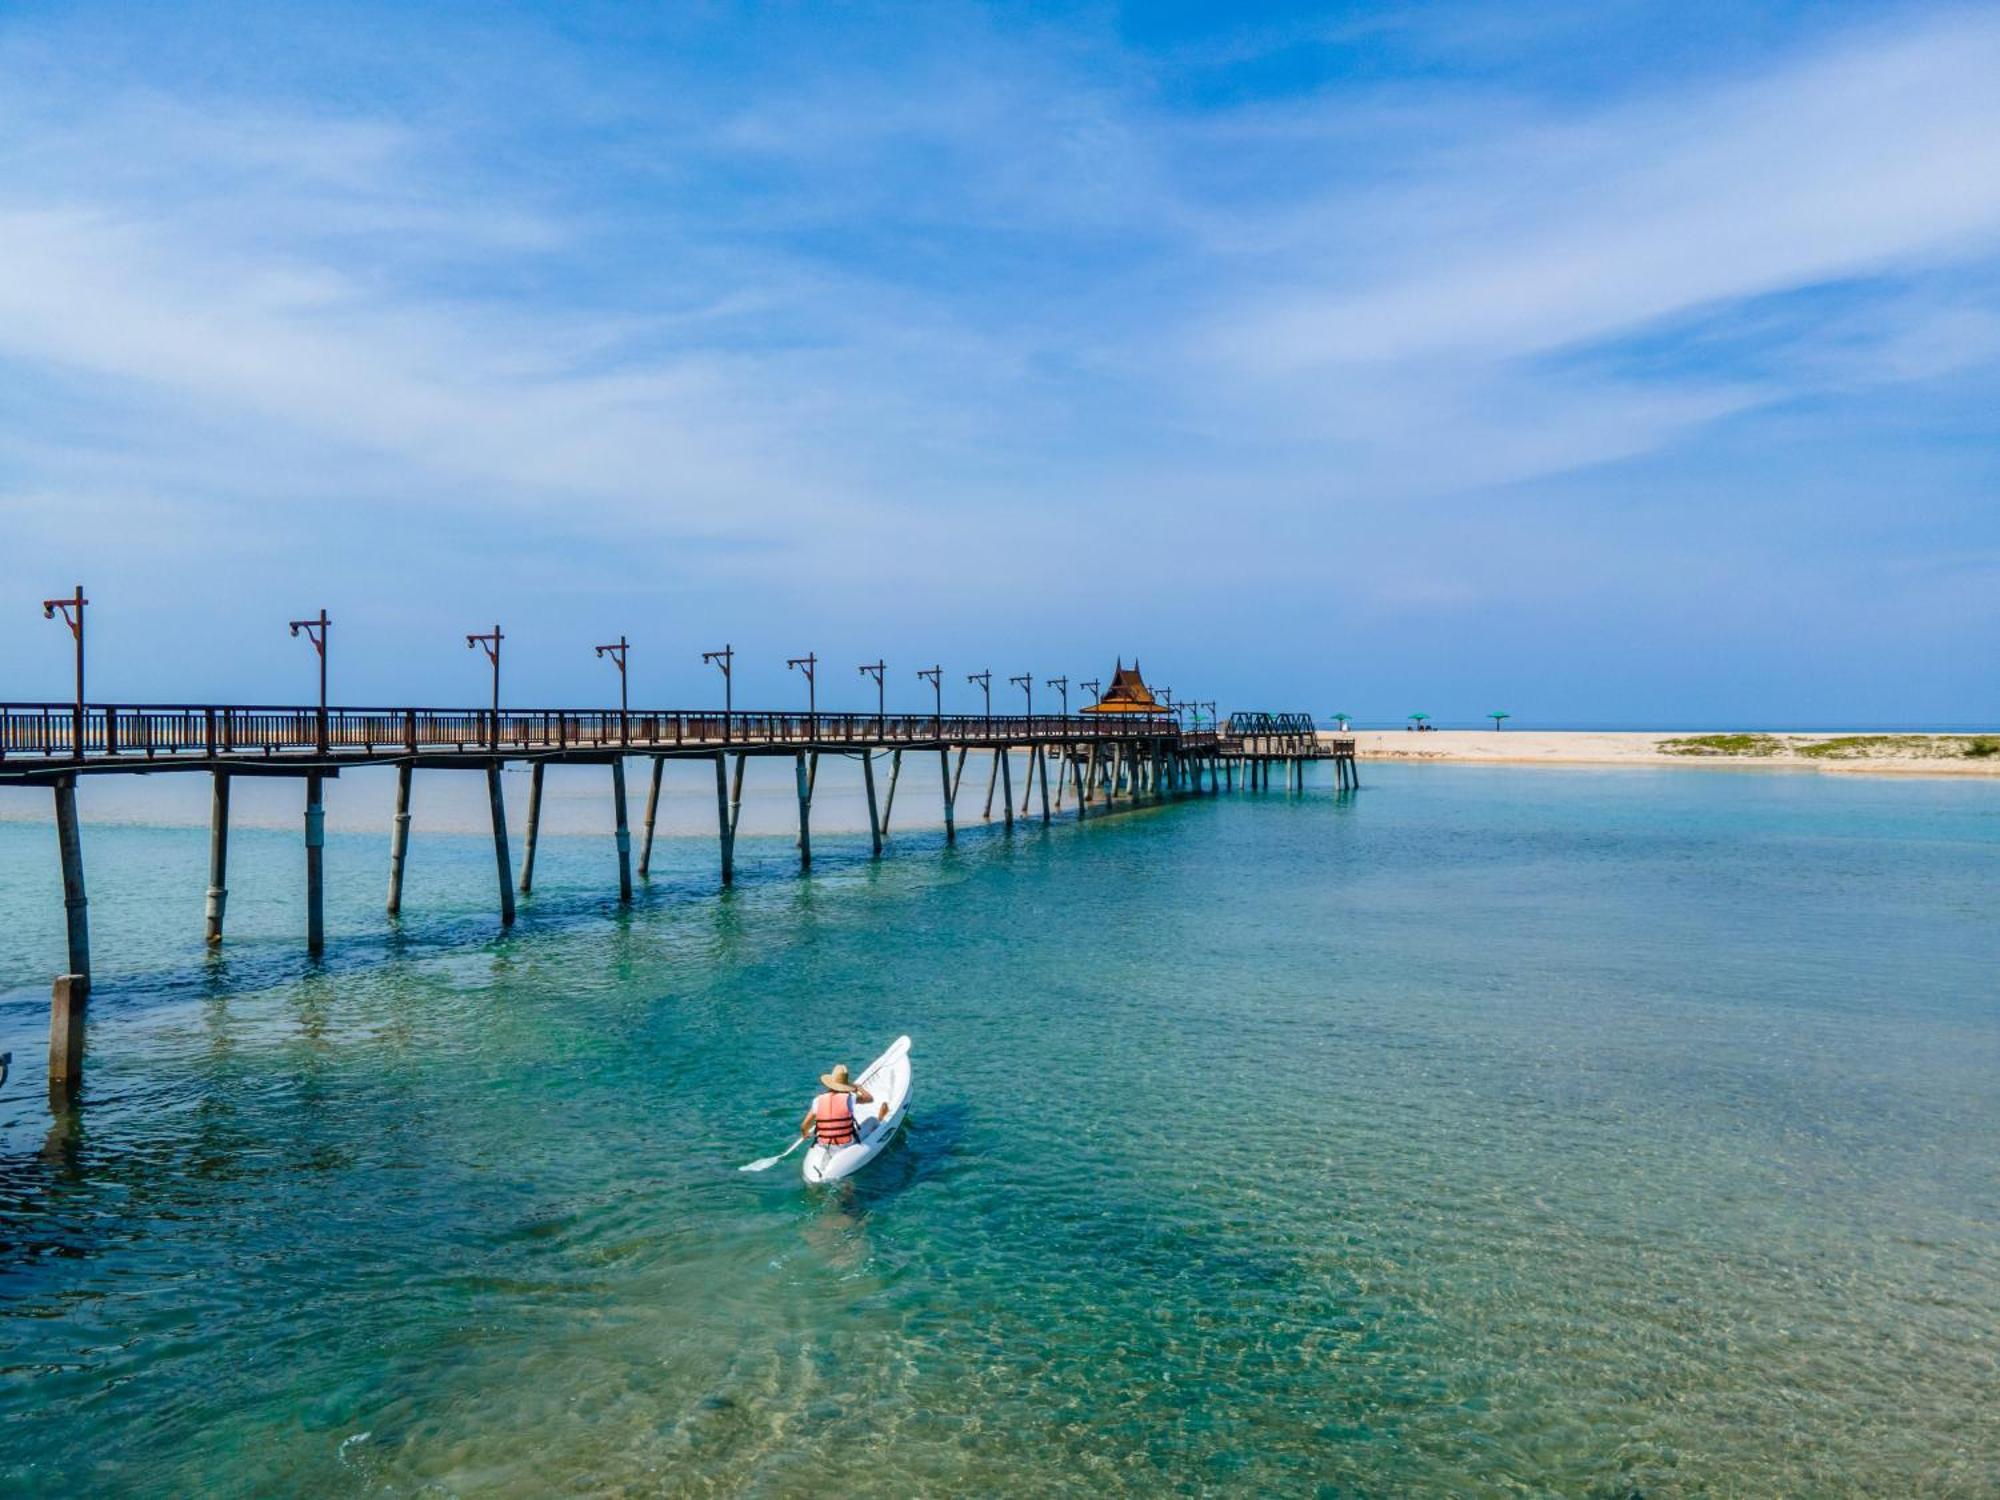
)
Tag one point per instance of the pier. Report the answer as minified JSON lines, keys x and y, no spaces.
{"x":1082,"y":765}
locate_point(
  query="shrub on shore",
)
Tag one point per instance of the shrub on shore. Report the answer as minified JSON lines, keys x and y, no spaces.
{"x":1722,"y":744}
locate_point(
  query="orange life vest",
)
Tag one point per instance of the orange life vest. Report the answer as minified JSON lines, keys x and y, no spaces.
{"x":833,"y":1120}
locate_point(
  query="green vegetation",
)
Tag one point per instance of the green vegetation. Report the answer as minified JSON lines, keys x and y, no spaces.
{"x":1723,"y":744}
{"x":1840,"y":747}
{"x":1857,"y":746}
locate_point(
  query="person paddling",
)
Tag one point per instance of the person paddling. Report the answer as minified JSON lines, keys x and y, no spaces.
{"x":830,"y":1121}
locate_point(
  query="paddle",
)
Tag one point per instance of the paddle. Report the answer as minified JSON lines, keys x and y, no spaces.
{"x":764,"y":1164}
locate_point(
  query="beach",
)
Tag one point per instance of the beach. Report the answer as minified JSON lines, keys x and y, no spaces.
{"x":1845,"y":752}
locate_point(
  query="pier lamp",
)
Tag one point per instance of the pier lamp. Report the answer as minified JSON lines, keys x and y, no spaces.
{"x":808,"y":664}
{"x":491,"y":641}
{"x":617,"y":651}
{"x":935,"y":677}
{"x":725,"y":659}
{"x":985,"y":681}
{"x":1026,"y":683}
{"x":316,"y":633}
{"x":72,"y":613}
{"x":876,"y":669}
{"x":1061,"y":685}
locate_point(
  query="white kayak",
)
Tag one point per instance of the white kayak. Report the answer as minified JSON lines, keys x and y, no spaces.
{"x":888,"y":1079}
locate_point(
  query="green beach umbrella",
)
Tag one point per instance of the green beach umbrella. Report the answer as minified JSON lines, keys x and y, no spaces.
{"x":1341,"y":719}
{"x":1496,"y":718}
{"x":1420,"y":717}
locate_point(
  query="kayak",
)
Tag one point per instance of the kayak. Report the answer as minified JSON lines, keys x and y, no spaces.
{"x":888,"y":1079}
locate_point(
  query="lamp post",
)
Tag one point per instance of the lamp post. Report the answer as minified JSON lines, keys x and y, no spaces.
{"x":725,"y":659}
{"x":876,"y":669}
{"x":491,"y":641}
{"x":985,"y":681}
{"x":316,"y":633}
{"x":935,"y":677}
{"x":1026,"y":683}
{"x":1061,"y":685}
{"x":617,"y":651}
{"x":808,"y":664}
{"x":72,"y":613}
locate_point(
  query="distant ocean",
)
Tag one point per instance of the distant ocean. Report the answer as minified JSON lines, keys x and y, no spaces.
{"x":1477,"y":1134}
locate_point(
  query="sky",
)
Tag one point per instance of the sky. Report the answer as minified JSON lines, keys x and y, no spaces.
{"x":1605,"y":363}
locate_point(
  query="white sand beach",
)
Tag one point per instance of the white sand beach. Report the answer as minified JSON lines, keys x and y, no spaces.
{"x":1832,"y":751}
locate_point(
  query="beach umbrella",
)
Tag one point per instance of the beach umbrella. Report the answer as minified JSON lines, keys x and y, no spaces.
{"x":1341,"y":719}
{"x":1496,"y":718}
{"x":1420,"y":717}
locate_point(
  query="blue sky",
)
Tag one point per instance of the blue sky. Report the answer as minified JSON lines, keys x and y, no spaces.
{"x":1604,"y":362}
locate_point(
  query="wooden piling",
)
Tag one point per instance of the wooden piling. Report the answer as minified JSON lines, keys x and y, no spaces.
{"x":66,"y":1007}
{"x":874,"y":823}
{"x":534,"y":828}
{"x":945,"y":782}
{"x":652,"y":812}
{"x":725,"y":827}
{"x":315,"y":864}
{"x":992,"y":781}
{"x":805,"y":813}
{"x":1006,"y":764}
{"x":1042,"y":762}
{"x":399,"y":839}
{"x":889,"y":802}
{"x":735,"y":806}
{"x":76,"y":903}
{"x":218,"y":859}
{"x":496,"y":800}
{"x":623,"y":830}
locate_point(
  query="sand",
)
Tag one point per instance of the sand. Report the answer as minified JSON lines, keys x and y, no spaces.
{"x":1904,"y":755}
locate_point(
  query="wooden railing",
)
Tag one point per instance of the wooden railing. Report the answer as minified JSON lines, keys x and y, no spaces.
{"x":151,"y":730}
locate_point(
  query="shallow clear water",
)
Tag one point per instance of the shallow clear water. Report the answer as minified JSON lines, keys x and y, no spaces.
{"x":1492,"y":1132}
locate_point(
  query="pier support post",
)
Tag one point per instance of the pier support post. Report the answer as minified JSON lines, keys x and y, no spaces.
{"x":496,"y":801}
{"x":76,"y":903}
{"x":315,"y":864}
{"x":1042,"y":764}
{"x":889,"y":802}
{"x":725,"y":828}
{"x":958,"y":775}
{"x":534,"y":828}
{"x":992,"y":781}
{"x":218,"y":859}
{"x":399,"y":839}
{"x":874,"y":822}
{"x":66,"y":1005}
{"x":944,"y":780}
{"x":652,"y":811}
{"x":805,"y":813}
{"x":623,"y":829}
{"x":735,"y":809}
{"x":1006,"y":765}
{"x":1083,"y":784}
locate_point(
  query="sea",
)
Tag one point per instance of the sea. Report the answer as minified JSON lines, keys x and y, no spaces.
{"x":1489,"y":1131}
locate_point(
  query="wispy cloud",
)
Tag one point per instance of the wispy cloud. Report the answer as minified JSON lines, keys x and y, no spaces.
{"x":832,"y":307}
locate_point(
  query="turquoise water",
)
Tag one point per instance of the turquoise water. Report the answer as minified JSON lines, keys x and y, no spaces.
{"x":1496,"y":1131}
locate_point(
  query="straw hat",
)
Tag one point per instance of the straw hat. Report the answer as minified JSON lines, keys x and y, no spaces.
{"x":837,"y":1079}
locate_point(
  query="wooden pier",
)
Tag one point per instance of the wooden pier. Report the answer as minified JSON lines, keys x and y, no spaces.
{"x":1101,"y":763}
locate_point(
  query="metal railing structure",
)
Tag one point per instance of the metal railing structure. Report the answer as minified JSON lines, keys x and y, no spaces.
{"x":115,"y":734}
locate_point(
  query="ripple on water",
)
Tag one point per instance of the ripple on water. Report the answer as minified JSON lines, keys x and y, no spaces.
{"x":1610,"y":1136}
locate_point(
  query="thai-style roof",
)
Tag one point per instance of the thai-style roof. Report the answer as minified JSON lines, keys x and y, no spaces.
{"x":1128,"y":694}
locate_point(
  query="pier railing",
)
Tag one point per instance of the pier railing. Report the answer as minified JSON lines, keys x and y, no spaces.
{"x":56,"y":731}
